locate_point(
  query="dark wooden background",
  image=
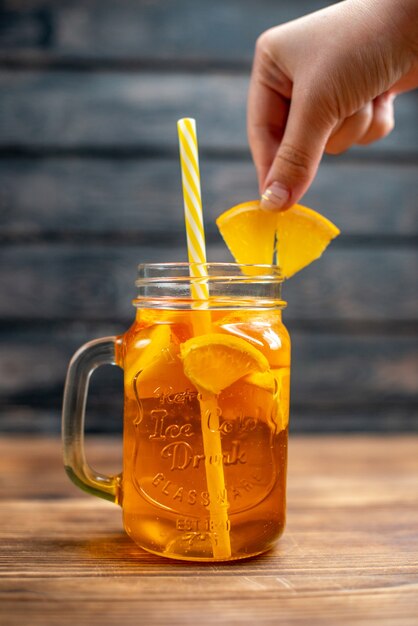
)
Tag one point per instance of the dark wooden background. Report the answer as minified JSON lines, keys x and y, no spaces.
{"x":90,"y":186}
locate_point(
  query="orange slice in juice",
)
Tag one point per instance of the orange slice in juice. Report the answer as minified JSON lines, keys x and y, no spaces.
{"x":282,"y":376}
{"x":265,"y":331}
{"x":262,"y":380}
{"x":149,"y":345}
{"x":214,"y":361}
{"x":299,"y":235}
{"x":154,"y":366}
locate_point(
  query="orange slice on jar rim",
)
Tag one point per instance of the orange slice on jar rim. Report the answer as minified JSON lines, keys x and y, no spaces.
{"x":294,"y":238}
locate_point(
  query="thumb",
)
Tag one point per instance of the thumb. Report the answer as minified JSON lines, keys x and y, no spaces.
{"x":298,"y":156}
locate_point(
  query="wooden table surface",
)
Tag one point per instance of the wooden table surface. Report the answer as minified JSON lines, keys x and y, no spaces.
{"x":349,"y":554}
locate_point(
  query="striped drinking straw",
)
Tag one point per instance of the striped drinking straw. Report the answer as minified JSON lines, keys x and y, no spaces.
{"x":212,"y":445}
{"x":190,"y":174}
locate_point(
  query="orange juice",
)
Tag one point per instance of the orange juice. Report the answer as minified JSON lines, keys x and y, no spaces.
{"x":165,"y":494}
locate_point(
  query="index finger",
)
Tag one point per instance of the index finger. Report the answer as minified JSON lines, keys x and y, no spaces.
{"x":267,"y":113}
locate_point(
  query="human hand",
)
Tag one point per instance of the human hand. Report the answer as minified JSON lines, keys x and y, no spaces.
{"x":323,"y":83}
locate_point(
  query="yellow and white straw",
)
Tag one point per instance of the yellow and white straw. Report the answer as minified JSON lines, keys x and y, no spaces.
{"x":190,"y":174}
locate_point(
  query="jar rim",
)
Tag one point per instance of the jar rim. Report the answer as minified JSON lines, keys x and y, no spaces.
{"x":213,"y":271}
{"x":209,"y":286}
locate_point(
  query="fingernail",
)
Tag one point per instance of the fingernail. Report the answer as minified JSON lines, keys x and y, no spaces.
{"x":274,"y":197}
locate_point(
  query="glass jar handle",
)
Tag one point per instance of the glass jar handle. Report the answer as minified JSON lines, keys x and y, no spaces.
{"x":87,"y":358}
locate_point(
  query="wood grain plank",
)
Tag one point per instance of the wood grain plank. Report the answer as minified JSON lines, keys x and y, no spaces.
{"x":349,"y":554}
{"x":71,"y":197}
{"x":345,"y":368}
{"x":340,"y":382}
{"x":120,"y":110}
{"x":396,"y":608}
{"x":87,"y":28}
{"x":52,"y":282}
{"x":369,"y":458}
